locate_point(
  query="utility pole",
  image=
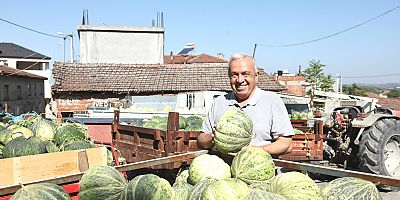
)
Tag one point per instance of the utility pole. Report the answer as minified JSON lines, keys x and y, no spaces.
{"x":254,"y":50}
{"x":72,"y":47}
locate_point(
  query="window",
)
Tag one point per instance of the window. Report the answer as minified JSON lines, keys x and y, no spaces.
{"x":29,"y":90}
{"x":34,"y":90}
{"x":190,"y":101}
{"x":18,"y":92}
{"x":6,"y":93}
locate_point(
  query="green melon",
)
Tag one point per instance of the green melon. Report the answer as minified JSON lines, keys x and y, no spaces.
{"x":252,"y":165}
{"x":101,"y":182}
{"x":182,"y":122}
{"x":148,"y":187}
{"x":233,"y":131}
{"x":26,"y":132}
{"x":258,"y":194}
{"x":350,"y":188}
{"x":208,"y":166}
{"x":76,"y":145}
{"x":41,"y":191}
{"x":182,"y":176}
{"x":21,"y":146}
{"x":51,"y":147}
{"x":44,"y":129}
{"x":194,"y":120}
{"x":295,"y":186}
{"x":182,"y":190}
{"x":225,"y":189}
{"x":69,"y":132}
{"x":198,"y":189}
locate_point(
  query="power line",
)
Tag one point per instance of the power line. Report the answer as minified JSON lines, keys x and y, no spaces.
{"x":331,"y":35}
{"x":372,"y":76}
{"x":56,"y":36}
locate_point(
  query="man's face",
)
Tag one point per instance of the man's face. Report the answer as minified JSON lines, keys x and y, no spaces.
{"x":243,"y":78}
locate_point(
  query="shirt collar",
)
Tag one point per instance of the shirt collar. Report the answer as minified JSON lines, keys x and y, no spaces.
{"x":253,"y":100}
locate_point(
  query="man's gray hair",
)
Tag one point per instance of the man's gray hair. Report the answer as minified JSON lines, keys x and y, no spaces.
{"x":240,"y":56}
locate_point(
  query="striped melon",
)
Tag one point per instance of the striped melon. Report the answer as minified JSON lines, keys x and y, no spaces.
{"x":198,"y":189}
{"x":350,"y":188}
{"x":253,"y":165}
{"x":258,"y":194}
{"x":182,"y":190}
{"x":101,"y":182}
{"x":208,"y":166}
{"x":41,"y":191}
{"x":230,"y":188}
{"x":182,"y":176}
{"x":148,"y":187}
{"x":233,"y":131}
{"x":295,"y":186}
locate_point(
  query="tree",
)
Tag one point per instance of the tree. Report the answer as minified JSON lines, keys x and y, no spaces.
{"x":393,"y":93}
{"x":354,"y":89}
{"x":314,"y":75}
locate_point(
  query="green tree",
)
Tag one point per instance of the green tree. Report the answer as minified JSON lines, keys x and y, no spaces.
{"x":354,"y":89}
{"x":393,"y":93}
{"x":314,"y":74}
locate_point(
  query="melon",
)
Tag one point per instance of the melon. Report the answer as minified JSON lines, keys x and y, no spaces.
{"x":258,"y":194}
{"x":230,"y":188}
{"x":76,"y":145}
{"x":182,"y":190}
{"x":182,"y":176}
{"x":69,"y":132}
{"x":148,"y":187}
{"x":208,"y":166}
{"x":233,"y":131}
{"x":295,"y":186}
{"x":198,"y":189}
{"x":41,"y":191}
{"x":182,"y":122}
{"x":44,"y":129}
{"x":101,"y":182}
{"x":350,"y":188}
{"x":21,"y":146}
{"x":253,"y":165}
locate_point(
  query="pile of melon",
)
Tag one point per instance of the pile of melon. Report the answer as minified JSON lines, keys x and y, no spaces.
{"x":191,"y":123}
{"x":251,"y":176}
{"x":36,"y":135}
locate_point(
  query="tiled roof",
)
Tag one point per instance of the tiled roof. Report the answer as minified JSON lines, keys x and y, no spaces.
{"x":11,"y":50}
{"x":145,"y":79}
{"x":8,"y":71}
{"x":202,"y":58}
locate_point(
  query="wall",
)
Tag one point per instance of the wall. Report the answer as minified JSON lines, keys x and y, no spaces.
{"x":28,"y":101}
{"x":121,"y":44}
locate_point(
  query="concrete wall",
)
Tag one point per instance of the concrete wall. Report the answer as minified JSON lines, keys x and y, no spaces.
{"x":121,"y":44}
{"x":29,"y":98}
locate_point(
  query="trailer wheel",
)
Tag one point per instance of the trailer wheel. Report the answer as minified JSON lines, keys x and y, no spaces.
{"x":379,"y":150}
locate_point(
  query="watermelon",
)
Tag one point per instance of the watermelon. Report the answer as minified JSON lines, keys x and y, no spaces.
{"x":350,"y":188}
{"x":193,"y":127}
{"x":182,"y":190}
{"x":76,"y":145}
{"x":230,"y":188}
{"x":44,"y":129}
{"x":51,"y":147}
{"x":148,"y":187}
{"x":101,"y":182}
{"x":208,"y":166}
{"x":21,"y":146}
{"x":26,"y":132}
{"x":198,"y":189}
{"x":182,"y":122}
{"x":252,"y":165}
{"x":295,"y":186}
{"x":297,"y":131}
{"x":194,"y":120}
{"x":182,"y":176}
{"x":69,"y":132}
{"x":41,"y":191}
{"x":258,"y":194}
{"x":234,"y":130}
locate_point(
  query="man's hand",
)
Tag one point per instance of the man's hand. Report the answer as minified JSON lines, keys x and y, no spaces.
{"x":281,"y":146}
{"x":205,"y":141}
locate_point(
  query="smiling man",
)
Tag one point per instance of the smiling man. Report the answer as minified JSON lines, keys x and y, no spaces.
{"x":266,"y":109}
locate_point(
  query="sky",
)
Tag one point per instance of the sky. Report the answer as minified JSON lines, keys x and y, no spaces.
{"x":351,"y":46}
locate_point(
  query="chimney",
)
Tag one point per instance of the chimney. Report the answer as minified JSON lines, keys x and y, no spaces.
{"x":221,"y":55}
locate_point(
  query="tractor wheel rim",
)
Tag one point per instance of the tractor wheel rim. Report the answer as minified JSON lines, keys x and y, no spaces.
{"x":392,"y":156}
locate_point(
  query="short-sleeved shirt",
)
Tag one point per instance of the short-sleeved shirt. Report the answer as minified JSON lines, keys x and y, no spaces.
{"x":266,"y":110}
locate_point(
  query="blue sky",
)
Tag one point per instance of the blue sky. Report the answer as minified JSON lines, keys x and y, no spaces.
{"x":372,"y":49}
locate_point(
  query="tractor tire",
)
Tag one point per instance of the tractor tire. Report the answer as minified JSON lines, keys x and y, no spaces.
{"x":379,"y":150}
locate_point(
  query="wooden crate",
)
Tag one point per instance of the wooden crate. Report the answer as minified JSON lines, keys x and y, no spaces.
{"x":49,"y":165}
{"x":139,"y":144}
{"x":308,"y":146}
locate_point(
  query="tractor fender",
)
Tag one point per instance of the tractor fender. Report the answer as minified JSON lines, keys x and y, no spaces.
{"x":370,"y":120}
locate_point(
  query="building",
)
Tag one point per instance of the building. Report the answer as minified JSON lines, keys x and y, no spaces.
{"x":295,"y":84}
{"x":121,"y":44}
{"x":191,"y":59}
{"x":21,"y":92}
{"x":21,"y":58}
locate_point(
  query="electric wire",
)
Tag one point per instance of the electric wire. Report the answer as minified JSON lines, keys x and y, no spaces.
{"x":372,"y":76}
{"x":331,"y":35}
{"x":56,"y":36}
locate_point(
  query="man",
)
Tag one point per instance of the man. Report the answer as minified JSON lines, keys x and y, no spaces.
{"x":266,"y":109}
